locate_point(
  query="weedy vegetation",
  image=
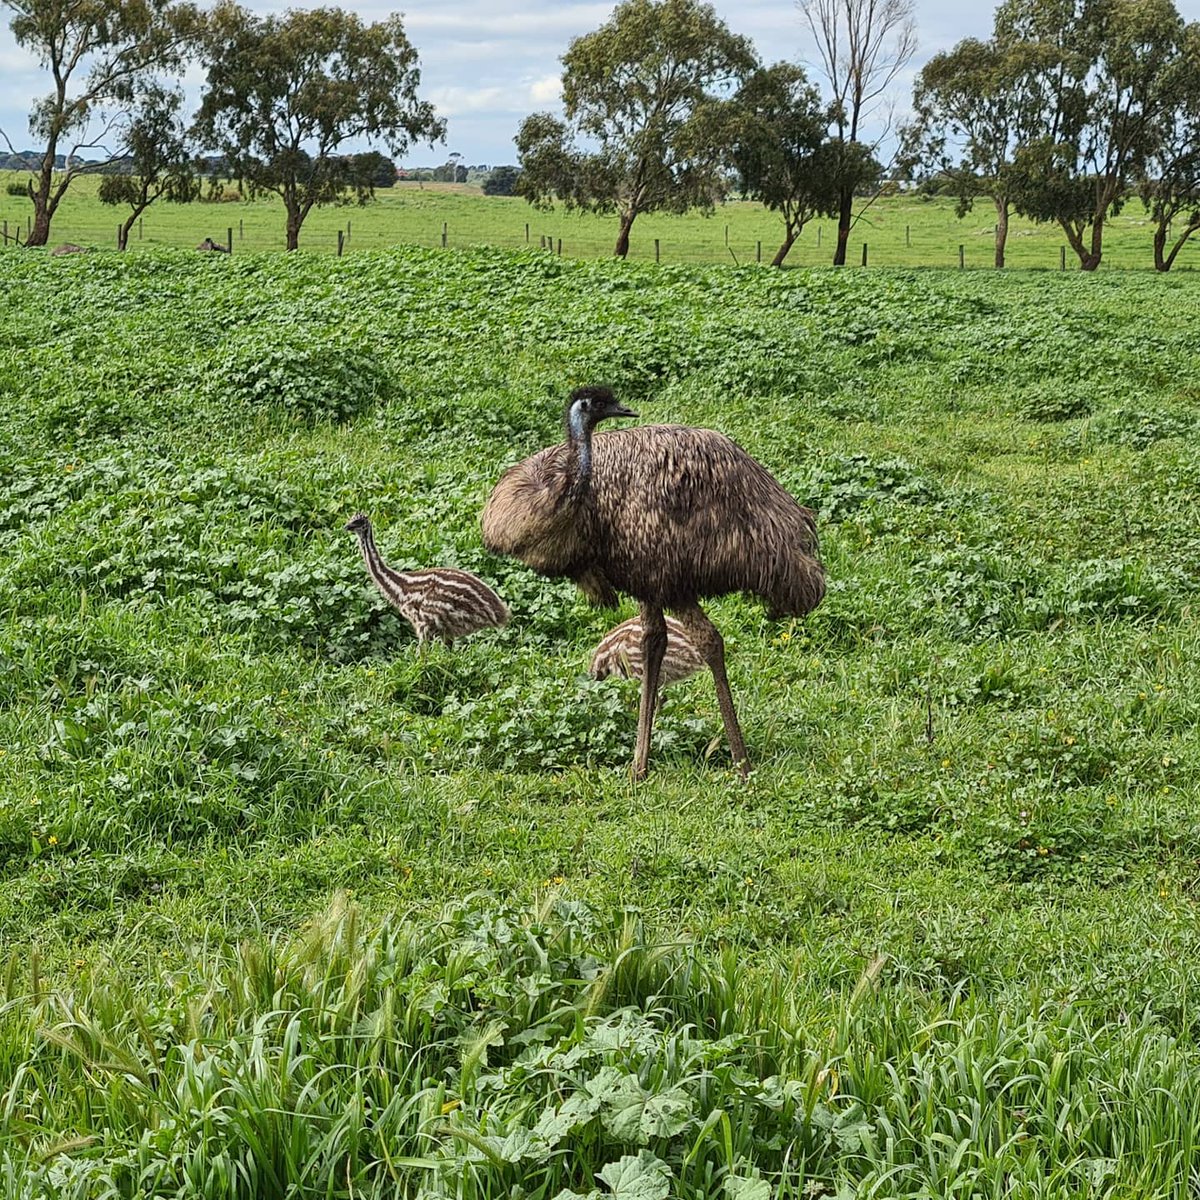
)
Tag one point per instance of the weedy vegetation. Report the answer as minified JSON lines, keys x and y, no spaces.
{"x":289,"y":910}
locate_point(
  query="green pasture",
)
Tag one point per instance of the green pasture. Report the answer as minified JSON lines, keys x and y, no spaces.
{"x":900,"y":231}
{"x":290,"y":910}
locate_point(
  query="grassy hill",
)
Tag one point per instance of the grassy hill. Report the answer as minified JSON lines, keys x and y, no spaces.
{"x":287,"y":905}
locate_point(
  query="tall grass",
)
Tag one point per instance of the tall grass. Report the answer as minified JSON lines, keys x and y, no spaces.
{"x":496,"y":1052}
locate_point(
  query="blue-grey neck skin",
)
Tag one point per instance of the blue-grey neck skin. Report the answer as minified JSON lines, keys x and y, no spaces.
{"x":580,"y":434}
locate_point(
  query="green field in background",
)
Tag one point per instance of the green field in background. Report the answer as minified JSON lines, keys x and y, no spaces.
{"x":900,"y":231}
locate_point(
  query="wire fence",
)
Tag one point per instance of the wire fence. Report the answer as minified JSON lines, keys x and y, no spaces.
{"x":917,"y":247}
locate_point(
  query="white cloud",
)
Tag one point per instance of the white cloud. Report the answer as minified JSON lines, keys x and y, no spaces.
{"x":456,"y":101}
{"x":547,"y":90}
{"x":541,"y":21}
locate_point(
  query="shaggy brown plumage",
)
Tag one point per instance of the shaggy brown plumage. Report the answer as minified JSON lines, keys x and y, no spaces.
{"x":668,"y":514}
{"x":439,"y":602}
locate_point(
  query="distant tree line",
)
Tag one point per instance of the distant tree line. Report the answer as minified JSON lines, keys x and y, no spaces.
{"x":1067,"y":112}
{"x":282,"y":94}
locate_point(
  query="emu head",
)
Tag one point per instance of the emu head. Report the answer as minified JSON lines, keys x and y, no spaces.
{"x":358,"y":523}
{"x":588,"y":406}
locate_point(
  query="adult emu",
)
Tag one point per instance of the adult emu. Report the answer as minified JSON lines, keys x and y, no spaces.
{"x":668,"y":514}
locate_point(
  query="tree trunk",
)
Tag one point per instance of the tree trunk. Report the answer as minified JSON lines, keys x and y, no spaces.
{"x":845,"y":213}
{"x":1162,"y":260}
{"x":1160,"y":243}
{"x":782,"y":252}
{"x":1001,"y":230}
{"x":1089,"y":258}
{"x":1092,"y":259}
{"x":39,"y":232}
{"x":622,"y":247}
{"x":294,"y":220}
{"x":43,"y":205}
{"x":123,"y":239}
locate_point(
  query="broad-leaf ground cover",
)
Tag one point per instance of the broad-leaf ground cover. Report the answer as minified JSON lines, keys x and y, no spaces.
{"x":290,"y":910}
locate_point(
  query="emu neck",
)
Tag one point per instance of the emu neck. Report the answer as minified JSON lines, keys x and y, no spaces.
{"x":579,"y":457}
{"x":383,"y":575}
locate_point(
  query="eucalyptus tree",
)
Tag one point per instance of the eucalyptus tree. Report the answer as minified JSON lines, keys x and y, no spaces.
{"x":285,"y":91}
{"x":1170,"y":184}
{"x":640,"y":92}
{"x":782,"y":152}
{"x":976,"y":106}
{"x":1102,"y":82}
{"x":157,"y":160}
{"x":863,"y":45}
{"x":101,"y":57}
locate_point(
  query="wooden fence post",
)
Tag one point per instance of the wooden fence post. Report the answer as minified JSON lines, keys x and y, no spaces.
{"x":341,"y":236}
{"x":962,"y":262}
{"x":864,"y":254}
{"x":656,"y":249}
{"x":241,"y":230}
{"x":906,"y":236}
{"x":527,"y":233}
{"x":818,"y":237}
{"x":139,"y":229}
{"x":1062,"y":258}
{"x":560,"y":247}
{"x":542,"y":242}
{"x":727,"y":235}
{"x":444,"y":231}
{"x":229,"y":238}
{"x":758,"y":251}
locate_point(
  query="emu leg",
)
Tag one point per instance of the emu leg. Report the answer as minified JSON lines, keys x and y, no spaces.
{"x":708,"y":641}
{"x":654,"y":646}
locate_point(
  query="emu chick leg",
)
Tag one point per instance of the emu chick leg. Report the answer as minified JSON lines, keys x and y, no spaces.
{"x":711,"y":646}
{"x":654,"y":646}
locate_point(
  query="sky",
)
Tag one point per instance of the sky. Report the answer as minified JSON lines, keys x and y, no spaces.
{"x":487,"y":64}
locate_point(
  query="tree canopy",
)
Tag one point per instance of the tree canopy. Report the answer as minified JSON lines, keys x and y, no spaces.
{"x":157,"y":157}
{"x":502,"y":181}
{"x":783,"y":154}
{"x":101,"y":57}
{"x":284,"y":92}
{"x":637,"y":89}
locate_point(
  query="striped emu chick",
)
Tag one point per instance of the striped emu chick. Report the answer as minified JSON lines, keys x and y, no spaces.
{"x":620,"y":653}
{"x":439,"y":602}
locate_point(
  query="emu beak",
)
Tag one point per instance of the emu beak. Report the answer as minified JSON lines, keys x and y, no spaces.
{"x":621,"y":411}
